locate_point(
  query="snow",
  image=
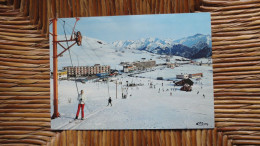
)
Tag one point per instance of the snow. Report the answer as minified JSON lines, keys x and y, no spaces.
{"x":146,"y":108}
{"x":170,"y":74}
{"x":193,"y":40}
{"x":151,"y":44}
{"x":91,"y":52}
{"x":203,"y":60}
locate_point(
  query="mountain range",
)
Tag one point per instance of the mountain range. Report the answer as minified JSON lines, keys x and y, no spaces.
{"x":193,"y":47}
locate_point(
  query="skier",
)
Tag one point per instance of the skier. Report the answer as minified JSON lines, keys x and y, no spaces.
{"x":203,"y":95}
{"x":109,"y":101}
{"x":81,"y":99}
{"x":198,"y":92}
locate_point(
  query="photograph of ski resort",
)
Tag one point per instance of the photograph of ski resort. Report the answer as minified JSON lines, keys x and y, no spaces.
{"x":132,"y":72}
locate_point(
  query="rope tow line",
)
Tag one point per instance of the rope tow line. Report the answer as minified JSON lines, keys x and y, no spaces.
{"x":70,"y":56}
{"x":95,"y":54}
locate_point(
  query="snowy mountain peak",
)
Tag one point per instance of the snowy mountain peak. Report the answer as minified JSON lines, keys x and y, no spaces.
{"x":191,"y":41}
{"x":185,"y":47}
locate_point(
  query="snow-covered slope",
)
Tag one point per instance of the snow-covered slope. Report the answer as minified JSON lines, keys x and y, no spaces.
{"x":94,"y":51}
{"x":163,"y":106}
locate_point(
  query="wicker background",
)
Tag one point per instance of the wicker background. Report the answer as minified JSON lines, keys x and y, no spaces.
{"x":24,"y":72}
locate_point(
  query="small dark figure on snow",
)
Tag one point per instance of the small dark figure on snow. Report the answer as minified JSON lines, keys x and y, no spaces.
{"x":198,"y":92}
{"x":109,"y":101}
{"x":203,"y":95}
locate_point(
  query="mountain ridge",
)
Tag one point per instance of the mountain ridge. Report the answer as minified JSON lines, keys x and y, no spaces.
{"x":185,"y":47}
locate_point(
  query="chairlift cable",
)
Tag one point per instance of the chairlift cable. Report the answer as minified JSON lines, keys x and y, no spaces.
{"x":69,"y":25}
{"x":70,"y":58}
{"x":84,"y":52}
{"x":63,"y":26}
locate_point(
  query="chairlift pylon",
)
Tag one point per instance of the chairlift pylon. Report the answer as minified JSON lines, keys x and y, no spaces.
{"x":77,"y":39}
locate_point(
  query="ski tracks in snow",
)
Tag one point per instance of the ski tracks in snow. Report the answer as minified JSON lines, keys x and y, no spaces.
{"x":76,"y":123}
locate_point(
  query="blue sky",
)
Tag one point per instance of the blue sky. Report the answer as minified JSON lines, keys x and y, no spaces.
{"x":134,"y":27}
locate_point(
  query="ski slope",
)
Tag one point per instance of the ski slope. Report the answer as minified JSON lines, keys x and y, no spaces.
{"x":146,"y":108}
{"x":163,"y":106}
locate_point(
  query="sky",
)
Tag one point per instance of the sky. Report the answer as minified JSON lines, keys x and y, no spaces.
{"x":134,"y":27}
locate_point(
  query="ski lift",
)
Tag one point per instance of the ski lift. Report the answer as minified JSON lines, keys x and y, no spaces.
{"x":77,"y":39}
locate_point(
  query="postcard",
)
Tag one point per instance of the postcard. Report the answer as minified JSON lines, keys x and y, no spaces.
{"x":132,"y":72}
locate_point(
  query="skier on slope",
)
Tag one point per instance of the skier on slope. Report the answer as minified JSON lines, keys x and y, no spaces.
{"x":81,"y":99}
{"x":109,"y":101}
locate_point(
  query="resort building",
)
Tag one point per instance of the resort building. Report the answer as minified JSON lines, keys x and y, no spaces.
{"x":138,"y":65}
{"x":129,"y":68}
{"x":86,"y":70}
{"x":142,"y":65}
{"x":62,"y":74}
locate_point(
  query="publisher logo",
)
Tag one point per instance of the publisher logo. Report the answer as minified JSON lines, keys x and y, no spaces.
{"x":202,"y":124}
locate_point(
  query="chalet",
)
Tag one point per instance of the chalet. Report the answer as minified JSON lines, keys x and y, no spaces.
{"x":184,"y":81}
